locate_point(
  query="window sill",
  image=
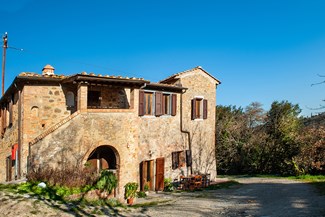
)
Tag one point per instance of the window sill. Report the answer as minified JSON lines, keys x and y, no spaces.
{"x":110,"y":110}
{"x":148,"y":116}
{"x":154,"y":116}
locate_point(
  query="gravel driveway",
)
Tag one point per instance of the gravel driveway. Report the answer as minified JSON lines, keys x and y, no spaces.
{"x":254,"y":197}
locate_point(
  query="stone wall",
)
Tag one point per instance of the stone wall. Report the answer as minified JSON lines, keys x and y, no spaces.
{"x":10,"y":138}
{"x":159,"y":137}
{"x":202,"y":131}
{"x":43,"y":106}
{"x":133,"y":138}
{"x":113,"y":97}
{"x":73,"y":142}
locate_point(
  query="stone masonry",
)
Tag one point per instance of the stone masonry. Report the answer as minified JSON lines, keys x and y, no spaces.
{"x":64,"y":137}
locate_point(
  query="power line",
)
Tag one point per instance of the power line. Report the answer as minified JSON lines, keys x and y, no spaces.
{"x":79,"y":62}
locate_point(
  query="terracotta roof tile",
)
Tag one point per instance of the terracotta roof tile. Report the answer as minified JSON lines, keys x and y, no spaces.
{"x":186,"y":71}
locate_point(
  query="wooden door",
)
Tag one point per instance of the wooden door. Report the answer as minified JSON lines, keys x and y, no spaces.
{"x":160,"y":167}
{"x":143,"y":174}
{"x":8,"y":169}
{"x":146,"y":174}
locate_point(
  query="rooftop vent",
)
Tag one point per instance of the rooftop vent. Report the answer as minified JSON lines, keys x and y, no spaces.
{"x":48,"y":70}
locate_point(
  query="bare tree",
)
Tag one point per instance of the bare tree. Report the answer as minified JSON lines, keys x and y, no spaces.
{"x":321,"y":106}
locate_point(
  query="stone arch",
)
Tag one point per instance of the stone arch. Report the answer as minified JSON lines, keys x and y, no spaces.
{"x":105,"y":157}
{"x":35,"y":118}
{"x":34,"y":112}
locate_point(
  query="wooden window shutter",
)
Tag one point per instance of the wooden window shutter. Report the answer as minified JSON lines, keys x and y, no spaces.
{"x":174,"y":160}
{"x":5,"y":121}
{"x":193,"y":109}
{"x":163,"y":105}
{"x":188,"y":158}
{"x":174,"y":104}
{"x":160,"y":174}
{"x":205,"y":109}
{"x":181,"y":158}
{"x":10,"y":113}
{"x":159,"y":102}
{"x":141,"y":103}
{"x":2,"y":121}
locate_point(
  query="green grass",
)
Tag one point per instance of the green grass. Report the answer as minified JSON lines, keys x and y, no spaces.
{"x":8,"y":187}
{"x":50,"y":192}
{"x":309,"y":178}
{"x":317,"y":181}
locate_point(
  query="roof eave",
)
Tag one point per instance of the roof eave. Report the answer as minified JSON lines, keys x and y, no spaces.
{"x":89,"y":78}
{"x":163,"y":87}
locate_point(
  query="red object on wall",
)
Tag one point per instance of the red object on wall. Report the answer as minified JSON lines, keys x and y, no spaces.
{"x":13,"y":151}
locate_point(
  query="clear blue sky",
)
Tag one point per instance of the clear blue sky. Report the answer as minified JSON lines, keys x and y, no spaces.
{"x":262,"y":50}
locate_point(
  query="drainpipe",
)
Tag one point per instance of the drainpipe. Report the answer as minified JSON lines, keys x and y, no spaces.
{"x":18,"y":158}
{"x":19,"y":133}
{"x":185,"y":131}
{"x":143,"y":86}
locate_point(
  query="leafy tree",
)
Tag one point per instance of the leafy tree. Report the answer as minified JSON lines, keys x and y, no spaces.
{"x":311,"y":158}
{"x":282,"y":127}
{"x":229,"y":124}
{"x":255,"y":115}
{"x":252,"y":141}
{"x":238,"y":138}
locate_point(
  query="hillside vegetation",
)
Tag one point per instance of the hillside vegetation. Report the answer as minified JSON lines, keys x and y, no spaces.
{"x":254,"y":141}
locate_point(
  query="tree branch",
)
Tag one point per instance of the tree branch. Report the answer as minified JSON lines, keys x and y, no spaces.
{"x":318,"y":83}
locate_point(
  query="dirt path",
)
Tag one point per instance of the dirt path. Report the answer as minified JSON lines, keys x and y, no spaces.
{"x":254,"y":197}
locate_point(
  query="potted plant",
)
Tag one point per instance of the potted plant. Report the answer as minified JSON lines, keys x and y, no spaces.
{"x":106,"y":183}
{"x":130,"y":191}
{"x":146,"y":188}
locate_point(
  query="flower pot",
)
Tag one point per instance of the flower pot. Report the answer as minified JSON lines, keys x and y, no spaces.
{"x":130,"y":201}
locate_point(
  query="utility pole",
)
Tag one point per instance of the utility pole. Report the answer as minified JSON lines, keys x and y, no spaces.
{"x":5,"y":46}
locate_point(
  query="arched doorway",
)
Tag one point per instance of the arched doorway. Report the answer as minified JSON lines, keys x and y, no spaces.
{"x":104,"y":158}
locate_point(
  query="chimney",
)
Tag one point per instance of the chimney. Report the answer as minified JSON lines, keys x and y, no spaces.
{"x":48,"y":70}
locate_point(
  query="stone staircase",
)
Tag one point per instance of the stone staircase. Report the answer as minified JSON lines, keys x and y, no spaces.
{"x":53,"y":128}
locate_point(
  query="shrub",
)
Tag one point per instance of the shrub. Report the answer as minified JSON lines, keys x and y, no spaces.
{"x":146,"y":187}
{"x":130,"y":190}
{"x":141,"y":194}
{"x":168,"y":184}
{"x":68,"y":176}
{"x":106,"y":182}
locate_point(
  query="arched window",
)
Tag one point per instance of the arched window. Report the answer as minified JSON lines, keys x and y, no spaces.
{"x":70,"y":99}
{"x":34,"y":112}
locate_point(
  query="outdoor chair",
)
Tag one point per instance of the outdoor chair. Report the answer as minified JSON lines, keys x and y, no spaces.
{"x":196,"y":182}
{"x":205,"y":180}
{"x":183,"y":183}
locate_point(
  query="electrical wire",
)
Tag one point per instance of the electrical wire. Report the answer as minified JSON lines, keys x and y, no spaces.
{"x":79,"y":62}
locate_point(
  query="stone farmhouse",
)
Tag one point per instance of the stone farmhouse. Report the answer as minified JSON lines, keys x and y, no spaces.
{"x":142,"y":131}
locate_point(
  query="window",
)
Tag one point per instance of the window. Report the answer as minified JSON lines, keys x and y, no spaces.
{"x":93,"y":98}
{"x":199,"y":108}
{"x":148,"y":103}
{"x":178,"y":159}
{"x":70,"y":99}
{"x":157,"y":103}
{"x":169,"y":104}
